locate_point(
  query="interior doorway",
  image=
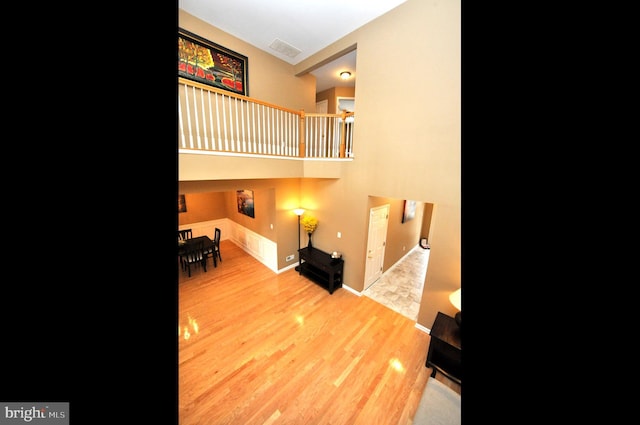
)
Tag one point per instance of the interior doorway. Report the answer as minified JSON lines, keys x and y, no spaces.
{"x":396,"y":279}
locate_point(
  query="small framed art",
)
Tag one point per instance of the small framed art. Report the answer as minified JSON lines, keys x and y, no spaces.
{"x":409,"y":210}
{"x":245,"y":202}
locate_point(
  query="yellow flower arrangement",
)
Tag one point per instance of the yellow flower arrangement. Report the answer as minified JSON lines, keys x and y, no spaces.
{"x":309,"y":223}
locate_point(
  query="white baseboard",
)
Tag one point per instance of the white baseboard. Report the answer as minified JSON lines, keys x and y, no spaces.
{"x":422,"y":328}
{"x":351,"y":290}
{"x":290,"y":266}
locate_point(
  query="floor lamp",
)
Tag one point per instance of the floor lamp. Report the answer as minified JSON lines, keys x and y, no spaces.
{"x":298,"y":212}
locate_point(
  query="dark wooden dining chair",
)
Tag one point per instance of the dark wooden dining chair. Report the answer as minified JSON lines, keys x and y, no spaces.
{"x":195,"y":256}
{"x":214,"y":250}
{"x":185,"y":234}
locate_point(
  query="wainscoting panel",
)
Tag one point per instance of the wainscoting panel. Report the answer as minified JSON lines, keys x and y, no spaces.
{"x":259,"y":247}
{"x":202,"y":228}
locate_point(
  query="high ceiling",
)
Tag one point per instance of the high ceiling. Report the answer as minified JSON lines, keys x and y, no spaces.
{"x":298,"y":28}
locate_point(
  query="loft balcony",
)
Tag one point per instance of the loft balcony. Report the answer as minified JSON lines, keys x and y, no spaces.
{"x":219,"y":130}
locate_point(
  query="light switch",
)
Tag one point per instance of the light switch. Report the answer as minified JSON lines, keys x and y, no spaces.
{"x":339,"y":235}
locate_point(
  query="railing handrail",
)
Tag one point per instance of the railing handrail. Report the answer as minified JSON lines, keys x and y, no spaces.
{"x":188,"y":82}
{"x":218,"y":120}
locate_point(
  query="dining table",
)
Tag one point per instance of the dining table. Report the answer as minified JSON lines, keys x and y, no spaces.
{"x":184,"y":244}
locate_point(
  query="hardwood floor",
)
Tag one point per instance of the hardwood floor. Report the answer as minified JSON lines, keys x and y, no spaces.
{"x":256,"y":347}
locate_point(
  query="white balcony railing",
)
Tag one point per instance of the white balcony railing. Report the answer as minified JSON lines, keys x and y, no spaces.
{"x":215,"y":120}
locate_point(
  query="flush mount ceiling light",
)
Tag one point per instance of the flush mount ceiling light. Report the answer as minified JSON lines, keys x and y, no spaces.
{"x":345,"y":75}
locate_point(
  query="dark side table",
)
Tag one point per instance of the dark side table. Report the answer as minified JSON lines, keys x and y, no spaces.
{"x":318,"y":266}
{"x":445,"y":350}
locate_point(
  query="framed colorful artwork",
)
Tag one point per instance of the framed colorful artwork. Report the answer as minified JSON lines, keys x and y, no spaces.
{"x":245,"y":202}
{"x":209,"y":63}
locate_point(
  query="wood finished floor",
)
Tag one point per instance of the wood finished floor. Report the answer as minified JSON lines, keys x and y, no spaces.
{"x":256,"y":347}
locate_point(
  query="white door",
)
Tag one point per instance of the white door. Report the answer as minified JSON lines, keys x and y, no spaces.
{"x":322,"y":106}
{"x":377,"y":240}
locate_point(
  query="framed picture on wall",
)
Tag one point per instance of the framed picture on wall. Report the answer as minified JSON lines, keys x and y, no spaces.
{"x":209,"y":63}
{"x":409,"y":210}
{"x":245,"y":202}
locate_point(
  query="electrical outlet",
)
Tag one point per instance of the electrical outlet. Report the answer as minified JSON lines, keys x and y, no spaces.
{"x":290,"y":257}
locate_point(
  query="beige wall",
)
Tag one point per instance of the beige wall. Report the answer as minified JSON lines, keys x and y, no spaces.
{"x":407,"y":138}
{"x":202,"y":207}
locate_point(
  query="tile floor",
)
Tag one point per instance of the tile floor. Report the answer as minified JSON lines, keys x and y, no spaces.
{"x":400,"y":287}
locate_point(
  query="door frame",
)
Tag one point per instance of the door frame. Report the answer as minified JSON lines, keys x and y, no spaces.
{"x":374,"y":246}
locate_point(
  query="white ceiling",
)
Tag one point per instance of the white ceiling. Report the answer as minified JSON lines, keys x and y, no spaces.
{"x":306,"y":26}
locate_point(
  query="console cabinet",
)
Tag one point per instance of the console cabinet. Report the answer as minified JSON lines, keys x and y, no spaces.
{"x":318,"y":266}
{"x":445,"y":348}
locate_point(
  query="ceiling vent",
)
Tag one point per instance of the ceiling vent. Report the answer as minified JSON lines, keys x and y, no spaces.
{"x":284,"y":48}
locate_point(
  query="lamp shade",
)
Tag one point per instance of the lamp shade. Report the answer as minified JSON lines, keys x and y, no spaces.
{"x":298,"y":211}
{"x":456,"y":298}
